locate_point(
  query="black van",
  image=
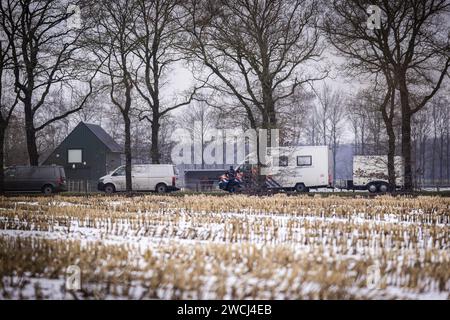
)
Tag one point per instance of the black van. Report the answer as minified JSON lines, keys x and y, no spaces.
{"x":46,"y":179}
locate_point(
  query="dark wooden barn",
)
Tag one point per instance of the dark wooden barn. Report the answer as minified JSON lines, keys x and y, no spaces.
{"x":87,"y":153}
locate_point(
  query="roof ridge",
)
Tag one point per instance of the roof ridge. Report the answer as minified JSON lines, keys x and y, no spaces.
{"x":104,"y":137}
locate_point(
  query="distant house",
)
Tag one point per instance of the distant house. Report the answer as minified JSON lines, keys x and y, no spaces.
{"x":87,"y":153}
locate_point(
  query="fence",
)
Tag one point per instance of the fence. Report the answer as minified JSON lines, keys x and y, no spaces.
{"x":82,"y":186}
{"x":429,"y":184}
{"x":202,"y":185}
{"x":432,"y":184}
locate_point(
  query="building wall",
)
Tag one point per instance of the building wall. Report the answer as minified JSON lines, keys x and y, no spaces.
{"x":95,"y":155}
{"x":113,"y":161}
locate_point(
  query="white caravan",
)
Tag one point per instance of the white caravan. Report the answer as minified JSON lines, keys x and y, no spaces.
{"x":298,"y":168}
{"x":161,"y":178}
{"x":371,"y":173}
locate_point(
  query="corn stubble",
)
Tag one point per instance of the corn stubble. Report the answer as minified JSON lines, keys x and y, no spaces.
{"x":237,"y":247}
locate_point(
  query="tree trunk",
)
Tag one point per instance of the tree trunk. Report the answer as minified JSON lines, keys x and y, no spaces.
{"x":388,"y":119}
{"x":154,"y":152}
{"x":363,"y":139}
{"x":417,"y":160}
{"x":2,"y":160}
{"x":448,"y":155}
{"x":258,"y":183}
{"x":391,"y":156}
{"x":433,"y":159}
{"x":406,"y":133}
{"x":202,"y":132}
{"x":33,"y":154}
{"x":406,"y":150}
{"x":441,"y":160}
{"x":128,"y":180}
{"x":334,"y":163}
{"x":261,"y":178}
{"x":423,"y":150}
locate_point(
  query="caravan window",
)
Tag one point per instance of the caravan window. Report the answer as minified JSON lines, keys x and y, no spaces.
{"x":284,"y":161}
{"x":304,"y":161}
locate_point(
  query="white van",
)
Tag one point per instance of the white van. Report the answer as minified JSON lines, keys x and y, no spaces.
{"x":161,"y":178}
{"x":298,"y":168}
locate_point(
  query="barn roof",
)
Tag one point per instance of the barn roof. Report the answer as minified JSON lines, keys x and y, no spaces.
{"x":104,"y":137}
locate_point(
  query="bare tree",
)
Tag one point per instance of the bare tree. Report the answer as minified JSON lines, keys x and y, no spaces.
{"x":387,"y":106}
{"x":322,"y":113}
{"x":8,"y":101}
{"x":372,"y":114}
{"x":439,"y":117}
{"x":293,"y":117}
{"x":44,"y":53}
{"x":421,"y":128}
{"x":330,"y":115}
{"x":357,"y":117}
{"x":412,"y":45}
{"x":313,"y":136}
{"x":431,"y":147}
{"x":256,"y":51}
{"x":199,"y":120}
{"x":442,"y":126}
{"x":113,"y":42}
{"x":15,"y":152}
{"x":157,"y":31}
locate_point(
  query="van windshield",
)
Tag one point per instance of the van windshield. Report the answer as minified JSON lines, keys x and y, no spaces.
{"x":119,"y":172}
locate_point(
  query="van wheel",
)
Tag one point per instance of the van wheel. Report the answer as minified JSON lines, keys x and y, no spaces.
{"x":301,"y":188}
{"x":372,"y":188}
{"x":161,"y":188}
{"x":383,"y":188}
{"x":48,"y":189}
{"x":110,"y":189}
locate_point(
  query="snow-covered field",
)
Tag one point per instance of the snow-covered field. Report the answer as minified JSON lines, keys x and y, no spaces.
{"x":236,"y":247}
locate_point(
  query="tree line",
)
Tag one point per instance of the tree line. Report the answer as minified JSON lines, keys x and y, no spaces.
{"x":254,"y":64}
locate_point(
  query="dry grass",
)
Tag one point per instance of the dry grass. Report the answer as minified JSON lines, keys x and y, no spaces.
{"x":237,"y":247}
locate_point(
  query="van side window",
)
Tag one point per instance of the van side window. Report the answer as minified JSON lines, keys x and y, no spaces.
{"x":304,"y":161}
{"x":284,"y":161}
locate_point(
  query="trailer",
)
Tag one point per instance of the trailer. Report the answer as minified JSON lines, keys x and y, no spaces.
{"x":202,"y":179}
{"x":297,"y":168}
{"x":371,"y":173}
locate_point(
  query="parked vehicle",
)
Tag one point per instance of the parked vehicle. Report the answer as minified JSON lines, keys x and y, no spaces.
{"x":161,"y":178}
{"x":45,"y":179}
{"x":297,"y":168}
{"x":371,"y":173}
{"x":202,"y":179}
